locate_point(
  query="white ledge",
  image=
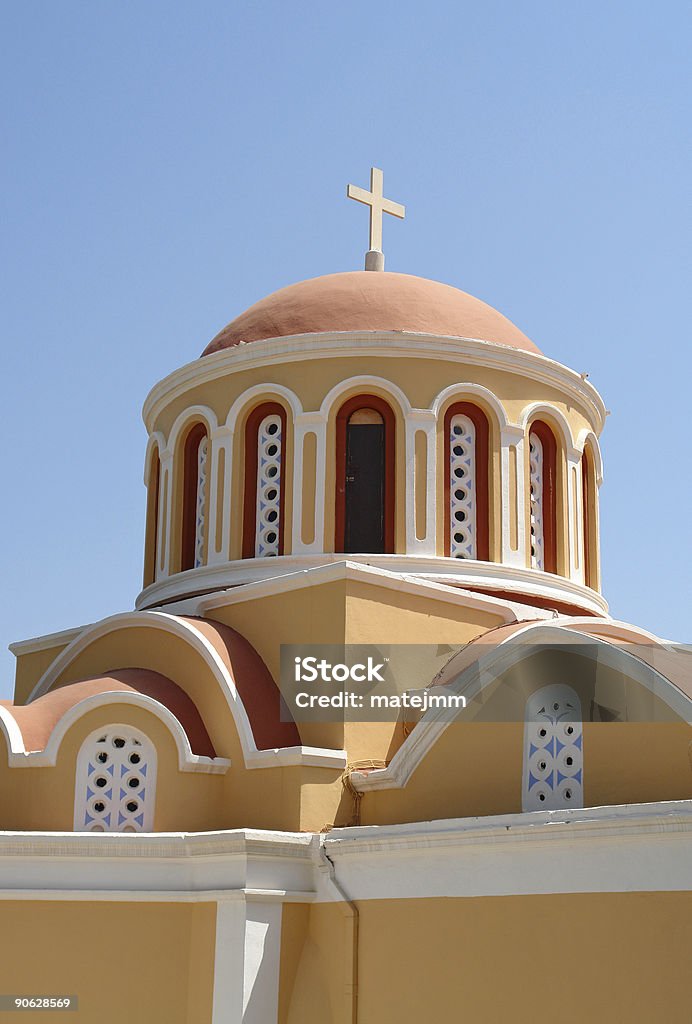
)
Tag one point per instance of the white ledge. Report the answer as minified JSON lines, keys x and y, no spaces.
{"x":406,"y":572}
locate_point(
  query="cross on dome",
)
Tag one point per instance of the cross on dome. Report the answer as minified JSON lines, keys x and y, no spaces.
{"x":374,"y":258}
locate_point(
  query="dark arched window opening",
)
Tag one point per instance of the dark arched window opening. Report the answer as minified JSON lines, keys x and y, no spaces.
{"x":365,"y":453}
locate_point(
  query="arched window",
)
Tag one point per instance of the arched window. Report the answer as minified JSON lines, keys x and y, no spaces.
{"x":115,"y":784}
{"x":152,"y":517}
{"x":365,"y":476}
{"x":588,"y":490}
{"x":543,"y":482}
{"x":553,"y":750}
{"x":466,"y":482}
{"x":195,"y":471}
{"x":263,"y":513}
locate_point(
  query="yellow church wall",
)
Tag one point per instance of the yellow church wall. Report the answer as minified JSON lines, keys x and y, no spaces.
{"x":475,"y":768}
{"x":348,"y":611}
{"x":316,"y":973}
{"x":293,"y":798}
{"x":143,"y":963}
{"x":307,"y":615}
{"x":383,"y":615}
{"x":42,"y":798}
{"x":588,"y":956}
{"x":30,"y":667}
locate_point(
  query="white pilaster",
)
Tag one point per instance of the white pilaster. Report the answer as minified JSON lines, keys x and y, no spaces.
{"x":221,"y":441}
{"x":246,"y":961}
{"x":165,"y":517}
{"x":575,"y":531}
{"x":513,"y":436}
{"x":304,"y":424}
{"x":425,"y":421}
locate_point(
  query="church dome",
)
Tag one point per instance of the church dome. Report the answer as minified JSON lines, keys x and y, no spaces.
{"x":370,"y":301}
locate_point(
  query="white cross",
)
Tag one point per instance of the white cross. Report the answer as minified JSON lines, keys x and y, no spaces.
{"x":378,"y":205}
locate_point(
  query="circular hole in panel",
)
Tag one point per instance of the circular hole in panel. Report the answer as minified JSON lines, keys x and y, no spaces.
{"x":133,"y":783}
{"x":102,"y":757}
{"x":132,"y":806}
{"x":101,"y":782}
{"x":119,"y":742}
{"x":272,"y":515}
{"x":272,"y":449}
{"x":99,"y":807}
{"x":272,"y":428}
{"x":134,"y":758}
{"x":459,"y":449}
{"x":459,"y":473}
{"x":271,"y":537}
{"x":272,"y":471}
{"x":271,"y":494}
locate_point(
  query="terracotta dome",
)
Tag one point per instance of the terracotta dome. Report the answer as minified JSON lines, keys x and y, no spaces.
{"x":370,"y":301}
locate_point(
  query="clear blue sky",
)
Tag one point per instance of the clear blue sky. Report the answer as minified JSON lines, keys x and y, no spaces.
{"x":166,"y":164}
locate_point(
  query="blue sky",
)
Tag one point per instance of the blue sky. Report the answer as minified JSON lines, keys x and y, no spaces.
{"x":166,"y":164}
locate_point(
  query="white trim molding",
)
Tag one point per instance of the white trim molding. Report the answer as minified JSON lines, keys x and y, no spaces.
{"x":525,"y":583}
{"x":621,"y":848}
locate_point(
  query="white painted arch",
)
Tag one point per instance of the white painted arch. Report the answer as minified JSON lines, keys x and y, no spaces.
{"x":364,"y":383}
{"x":178,"y":626}
{"x":466,"y":390}
{"x":509,"y":652}
{"x":538,"y":410}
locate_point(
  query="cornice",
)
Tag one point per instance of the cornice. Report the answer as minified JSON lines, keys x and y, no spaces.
{"x":382,"y":344}
{"x":406,"y":572}
{"x":568,"y":825}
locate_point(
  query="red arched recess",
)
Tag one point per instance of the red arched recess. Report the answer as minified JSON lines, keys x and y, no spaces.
{"x":389,"y":420}
{"x":250,"y":486}
{"x":588,"y":504}
{"x":194,"y":438}
{"x":480,"y":422}
{"x":152,"y":517}
{"x":547,"y":439}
